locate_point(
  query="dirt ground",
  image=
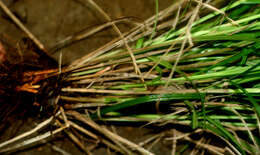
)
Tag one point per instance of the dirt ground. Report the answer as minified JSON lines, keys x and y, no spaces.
{"x":53,"y":20}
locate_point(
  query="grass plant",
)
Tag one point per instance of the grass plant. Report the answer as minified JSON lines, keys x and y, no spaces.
{"x":200,"y":71}
{"x":216,"y":78}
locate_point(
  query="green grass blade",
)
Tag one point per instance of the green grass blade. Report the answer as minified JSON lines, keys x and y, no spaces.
{"x":250,"y":97}
{"x":233,"y":58}
{"x":139,"y":43}
{"x":226,"y":134}
{"x":251,"y":2}
{"x":194,"y":117}
{"x":147,"y":99}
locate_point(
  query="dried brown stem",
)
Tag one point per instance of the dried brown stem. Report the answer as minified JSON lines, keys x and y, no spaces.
{"x":108,"y":133}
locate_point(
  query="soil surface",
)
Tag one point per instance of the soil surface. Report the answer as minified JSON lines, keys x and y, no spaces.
{"x":53,"y":20}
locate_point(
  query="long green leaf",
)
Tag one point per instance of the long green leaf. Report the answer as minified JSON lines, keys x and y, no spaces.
{"x":227,"y":135}
{"x":147,"y":99}
{"x":250,"y":97}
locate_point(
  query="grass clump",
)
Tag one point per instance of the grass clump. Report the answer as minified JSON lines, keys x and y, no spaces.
{"x":206,"y":71}
{"x":198,"y":68}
